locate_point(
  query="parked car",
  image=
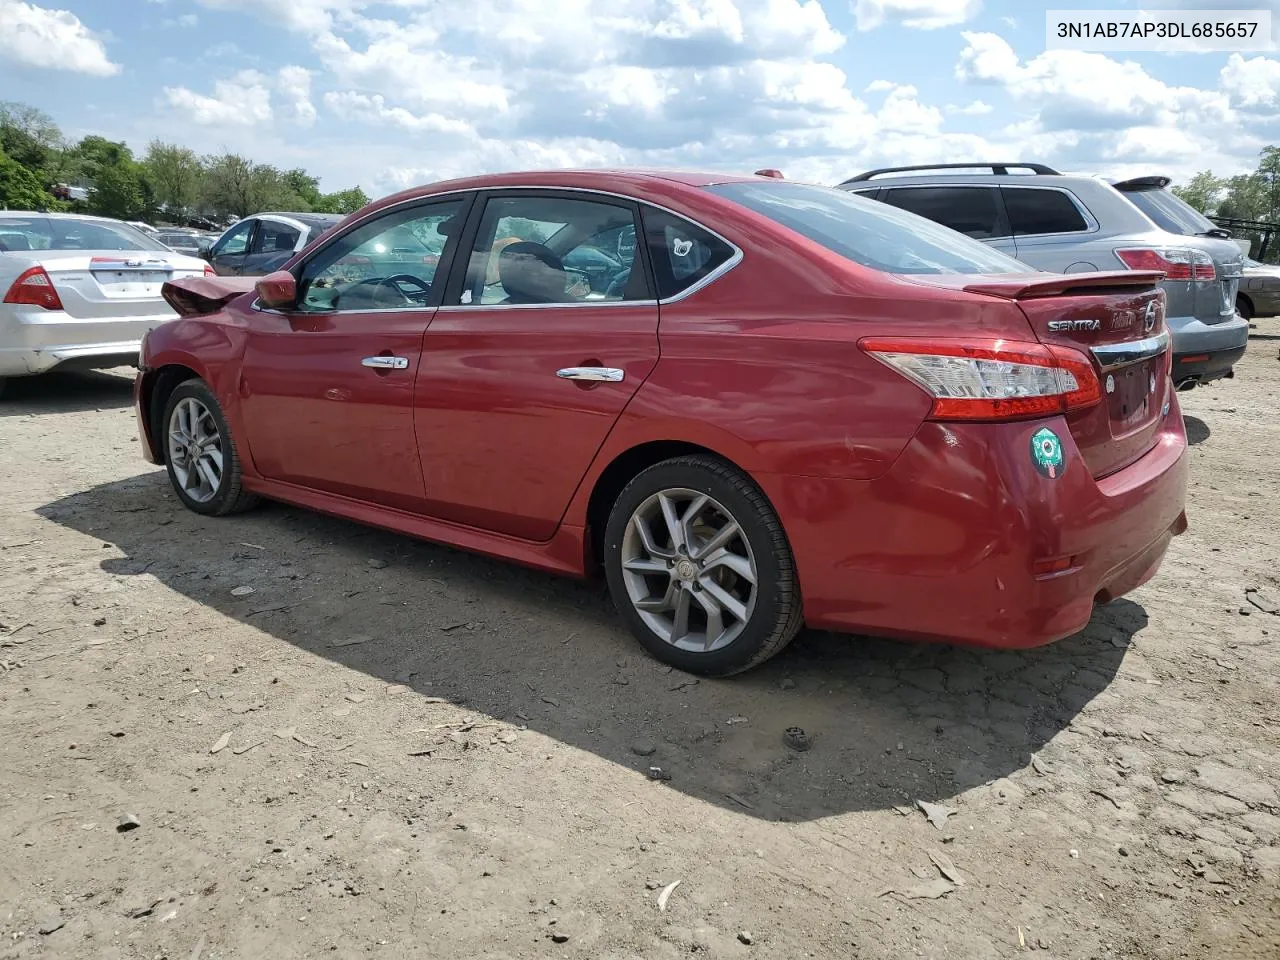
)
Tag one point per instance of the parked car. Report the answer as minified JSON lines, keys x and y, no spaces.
{"x":79,"y":292}
{"x":848,"y":415}
{"x":262,"y":243}
{"x":1072,"y":224}
{"x":183,"y":241}
{"x":1259,"y":294}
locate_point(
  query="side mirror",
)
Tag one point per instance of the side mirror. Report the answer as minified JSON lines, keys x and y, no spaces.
{"x":277,"y":289}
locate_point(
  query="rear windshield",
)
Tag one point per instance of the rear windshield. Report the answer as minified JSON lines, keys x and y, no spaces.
{"x":69,"y":233}
{"x":1170,"y":213}
{"x":869,"y":233}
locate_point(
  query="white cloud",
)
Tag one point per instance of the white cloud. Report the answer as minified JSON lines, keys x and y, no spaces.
{"x":916,"y":14}
{"x":1252,"y":84}
{"x":977,"y":108}
{"x":879,"y":86}
{"x":54,"y":39}
{"x":294,"y":84}
{"x":242,"y":100}
{"x":357,"y":107}
{"x":1073,"y":89}
{"x":307,"y":16}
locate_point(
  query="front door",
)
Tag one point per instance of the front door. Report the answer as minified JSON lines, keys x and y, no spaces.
{"x":327,"y":387}
{"x":529,"y":364}
{"x":228,"y":254}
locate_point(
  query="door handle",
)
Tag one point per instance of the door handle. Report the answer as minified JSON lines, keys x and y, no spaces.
{"x":605,"y":374}
{"x":385,"y":363}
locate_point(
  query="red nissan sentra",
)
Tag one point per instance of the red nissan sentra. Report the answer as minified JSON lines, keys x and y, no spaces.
{"x":754,"y":403}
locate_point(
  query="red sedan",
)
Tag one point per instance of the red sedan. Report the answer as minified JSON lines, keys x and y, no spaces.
{"x":754,"y":403}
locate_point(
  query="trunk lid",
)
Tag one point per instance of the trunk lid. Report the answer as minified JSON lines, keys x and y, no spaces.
{"x":101,"y":284}
{"x":1117,"y":320}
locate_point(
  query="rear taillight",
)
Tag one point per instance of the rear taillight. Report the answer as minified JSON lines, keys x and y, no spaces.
{"x":209,"y":271}
{"x":1175,"y":264}
{"x":992,"y":379}
{"x":34,"y":287}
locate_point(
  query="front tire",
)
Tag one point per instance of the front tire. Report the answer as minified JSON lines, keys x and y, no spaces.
{"x":200,"y":453}
{"x":700,"y":569}
{"x":1244,"y":308}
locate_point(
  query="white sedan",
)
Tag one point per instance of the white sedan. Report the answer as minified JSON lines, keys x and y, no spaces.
{"x":79,"y":292}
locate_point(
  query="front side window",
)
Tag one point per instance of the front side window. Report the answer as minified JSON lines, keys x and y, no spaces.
{"x":868,"y":232}
{"x":389,"y":262}
{"x":234,"y":241}
{"x":973,"y":211}
{"x":273,"y":236}
{"x":553,"y":250}
{"x":1035,"y":211}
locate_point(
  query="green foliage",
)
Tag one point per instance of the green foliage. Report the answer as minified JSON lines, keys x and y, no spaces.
{"x":1202,"y":191}
{"x":20,"y":189}
{"x":170,"y":181}
{"x":344,"y":201}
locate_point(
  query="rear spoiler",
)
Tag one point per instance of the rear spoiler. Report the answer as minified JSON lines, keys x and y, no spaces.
{"x":1054,"y":285}
{"x":1142,"y":183}
{"x":196,"y":296}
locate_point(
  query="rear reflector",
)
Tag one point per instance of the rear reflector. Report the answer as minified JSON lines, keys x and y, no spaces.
{"x":1194,"y":358}
{"x":1175,"y":264}
{"x":34,"y":287}
{"x":1042,"y":568}
{"x":992,"y":379}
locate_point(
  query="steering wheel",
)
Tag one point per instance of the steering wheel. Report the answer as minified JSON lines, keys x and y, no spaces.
{"x":393,"y":283}
{"x":618,"y":287}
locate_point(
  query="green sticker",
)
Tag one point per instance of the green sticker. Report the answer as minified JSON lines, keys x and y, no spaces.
{"x":1046,"y":453}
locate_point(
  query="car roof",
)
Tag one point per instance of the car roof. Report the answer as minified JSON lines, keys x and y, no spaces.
{"x":634,"y":181}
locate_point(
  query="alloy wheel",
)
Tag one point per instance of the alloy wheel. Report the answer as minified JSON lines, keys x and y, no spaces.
{"x":195,"y":450}
{"x":689,"y":570}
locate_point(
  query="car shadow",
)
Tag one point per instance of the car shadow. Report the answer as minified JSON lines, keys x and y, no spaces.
{"x":1197,"y":430}
{"x":889,"y":722}
{"x":67,"y":392}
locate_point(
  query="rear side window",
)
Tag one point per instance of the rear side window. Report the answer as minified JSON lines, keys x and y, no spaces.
{"x":1033,"y":211}
{"x":973,"y":211}
{"x":683,"y":253}
{"x":868,"y":232}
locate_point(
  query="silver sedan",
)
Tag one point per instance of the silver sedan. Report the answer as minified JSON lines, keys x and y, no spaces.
{"x":1259,"y":294}
{"x":79,"y":292}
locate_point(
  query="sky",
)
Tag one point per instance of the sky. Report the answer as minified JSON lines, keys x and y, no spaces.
{"x":386,"y":94}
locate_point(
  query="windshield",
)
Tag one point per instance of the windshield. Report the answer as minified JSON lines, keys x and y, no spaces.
{"x":70,"y":233}
{"x":1168,"y":212}
{"x":867,"y":232}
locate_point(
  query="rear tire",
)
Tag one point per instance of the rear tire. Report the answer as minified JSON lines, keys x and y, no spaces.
{"x":200,"y":453}
{"x":700,"y":569}
{"x":1244,"y":307}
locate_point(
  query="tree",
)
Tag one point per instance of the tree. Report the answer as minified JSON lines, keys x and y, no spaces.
{"x":29,"y":136}
{"x":237,"y":186}
{"x":344,"y":201}
{"x":119,"y":187}
{"x":175,"y":174}
{"x":20,"y":189}
{"x":304,"y":187}
{"x":1202,"y":191}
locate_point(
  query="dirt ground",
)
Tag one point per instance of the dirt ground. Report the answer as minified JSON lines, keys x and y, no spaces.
{"x":391,"y":749}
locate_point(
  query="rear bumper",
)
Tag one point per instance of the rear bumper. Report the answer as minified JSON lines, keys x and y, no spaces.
{"x":944,"y":546}
{"x":34,"y":341}
{"x":1206,"y":351}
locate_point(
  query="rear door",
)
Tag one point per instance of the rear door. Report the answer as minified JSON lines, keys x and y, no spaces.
{"x":528,"y":365}
{"x":228,"y":255}
{"x":1049,"y":227}
{"x":327,"y":387}
{"x":975,"y":211}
